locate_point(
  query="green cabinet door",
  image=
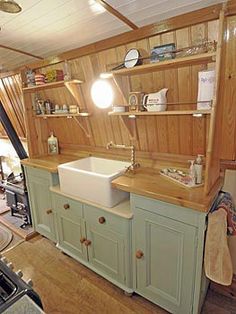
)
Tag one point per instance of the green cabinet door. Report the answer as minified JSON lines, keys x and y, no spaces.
{"x":41,"y":205}
{"x":106,"y":252}
{"x":164,"y":251}
{"x":70,"y":226}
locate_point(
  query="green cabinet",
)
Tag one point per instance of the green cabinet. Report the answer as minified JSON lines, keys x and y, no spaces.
{"x":70,"y":226}
{"x":38,"y":183}
{"x":95,"y":237}
{"x":108,"y":251}
{"x":165,"y":251}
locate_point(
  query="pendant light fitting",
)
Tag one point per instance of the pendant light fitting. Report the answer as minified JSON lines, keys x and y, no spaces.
{"x":9,"y":6}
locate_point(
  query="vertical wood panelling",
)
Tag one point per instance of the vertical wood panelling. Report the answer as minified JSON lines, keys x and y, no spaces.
{"x":11,"y":97}
{"x":228,"y":94}
{"x":158,"y":134}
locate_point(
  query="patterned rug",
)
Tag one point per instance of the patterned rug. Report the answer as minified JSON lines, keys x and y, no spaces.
{"x":5,"y":237}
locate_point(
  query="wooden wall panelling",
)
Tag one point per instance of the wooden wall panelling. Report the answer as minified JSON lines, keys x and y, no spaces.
{"x":95,"y":119}
{"x":228,"y":95}
{"x":104,"y":58}
{"x":120,"y":53}
{"x":12,"y":87}
{"x":198,"y":33}
{"x":10,"y":103}
{"x":171,"y":82}
{"x":212,"y":172}
{"x":161,"y":121}
{"x":31,"y":133}
{"x":159,"y":134}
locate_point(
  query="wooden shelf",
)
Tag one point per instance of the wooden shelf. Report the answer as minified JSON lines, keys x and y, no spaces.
{"x":63,"y":115}
{"x":162,"y":65}
{"x":50,"y":85}
{"x":160,"y":113}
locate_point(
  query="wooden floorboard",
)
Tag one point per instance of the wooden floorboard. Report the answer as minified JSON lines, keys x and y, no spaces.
{"x":67,"y":287}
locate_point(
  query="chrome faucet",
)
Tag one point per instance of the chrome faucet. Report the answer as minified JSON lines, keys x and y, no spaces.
{"x":133,"y":165}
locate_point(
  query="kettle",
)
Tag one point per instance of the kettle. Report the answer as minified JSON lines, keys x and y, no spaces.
{"x":155,"y":101}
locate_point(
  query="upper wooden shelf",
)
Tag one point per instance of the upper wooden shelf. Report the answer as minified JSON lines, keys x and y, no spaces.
{"x":63,"y":115}
{"x":160,"y":113}
{"x":162,"y":65}
{"x":50,"y":85}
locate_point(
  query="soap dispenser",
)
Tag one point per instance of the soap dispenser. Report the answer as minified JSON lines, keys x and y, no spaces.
{"x":198,"y":169}
{"x":52,"y":145}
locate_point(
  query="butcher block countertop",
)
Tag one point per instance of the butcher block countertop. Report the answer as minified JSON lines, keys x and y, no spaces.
{"x":148,"y":182}
{"x":49,"y":163}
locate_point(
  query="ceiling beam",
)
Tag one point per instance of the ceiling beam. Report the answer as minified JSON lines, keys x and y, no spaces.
{"x":22,"y":52}
{"x":116,"y":13}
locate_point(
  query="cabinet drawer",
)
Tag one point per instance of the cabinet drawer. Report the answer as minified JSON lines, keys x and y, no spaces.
{"x":102,"y":218}
{"x":67,"y":206}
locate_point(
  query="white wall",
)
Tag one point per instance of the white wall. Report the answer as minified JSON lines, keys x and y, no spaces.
{"x":230,"y":186}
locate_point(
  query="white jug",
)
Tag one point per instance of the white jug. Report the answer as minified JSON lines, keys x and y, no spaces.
{"x":155,"y":101}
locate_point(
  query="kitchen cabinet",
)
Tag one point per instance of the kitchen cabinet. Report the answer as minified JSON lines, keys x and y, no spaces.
{"x":98,"y":239}
{"x":168,"y":249}
{"x":70,"y":226}
{"x":38,"y":183}
{"x":109,"y":243}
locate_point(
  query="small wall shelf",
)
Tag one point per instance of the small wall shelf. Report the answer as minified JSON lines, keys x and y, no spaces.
{"x":50,"y":85}
{"x":160,"y":113}
{"x":63,"y":115}
{"x":167,"y":64}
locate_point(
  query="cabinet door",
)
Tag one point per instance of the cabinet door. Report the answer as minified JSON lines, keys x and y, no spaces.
{"x":164,"y":260}
{"x":70,"y":226}
{"x":41,"y":206}
{"x":106,"y":251}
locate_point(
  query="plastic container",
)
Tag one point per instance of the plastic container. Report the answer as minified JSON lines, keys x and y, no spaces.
{"x":52,"y":145}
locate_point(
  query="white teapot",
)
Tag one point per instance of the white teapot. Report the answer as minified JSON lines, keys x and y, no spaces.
{"x":155,"y":101}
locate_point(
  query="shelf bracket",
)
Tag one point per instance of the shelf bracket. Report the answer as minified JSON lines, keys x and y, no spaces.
{"x":84,"y":125}
{"x":130,"y":125}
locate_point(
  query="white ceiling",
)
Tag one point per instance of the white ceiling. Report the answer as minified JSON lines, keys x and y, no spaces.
{"x":48,"y":27}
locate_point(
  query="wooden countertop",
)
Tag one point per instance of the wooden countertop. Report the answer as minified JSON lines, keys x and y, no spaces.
{"x":49,"y":162}
{"x":148,"y":182}
{"x":122,"y":209}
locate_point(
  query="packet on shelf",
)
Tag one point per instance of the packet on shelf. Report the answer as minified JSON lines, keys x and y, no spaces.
{"x":73,"y":109}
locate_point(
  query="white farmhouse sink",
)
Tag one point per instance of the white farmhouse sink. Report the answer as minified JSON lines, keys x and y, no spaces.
{"x":90,"y":179}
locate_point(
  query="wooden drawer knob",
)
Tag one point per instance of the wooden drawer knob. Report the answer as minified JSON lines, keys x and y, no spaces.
{"x":82,"y":240}
{"x":87,"y":242}
{"x":102,"y":220}
{"x":139,"y":254}
{"x":49,"y":211}
{"x":66,"y":206}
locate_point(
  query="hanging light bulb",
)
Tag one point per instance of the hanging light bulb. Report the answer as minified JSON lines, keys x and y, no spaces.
{"x":9,"y":6}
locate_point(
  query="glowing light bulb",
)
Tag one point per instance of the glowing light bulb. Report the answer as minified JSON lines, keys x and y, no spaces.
{"x":102,"y":94}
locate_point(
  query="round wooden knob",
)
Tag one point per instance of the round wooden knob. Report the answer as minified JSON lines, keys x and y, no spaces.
{"x":139,"y":254}
{"x":66,"y":206}
{"x":82,"y":240}
{"x":49,"y":211}
{"x":102,"y":220}
{"x":87,"y":242}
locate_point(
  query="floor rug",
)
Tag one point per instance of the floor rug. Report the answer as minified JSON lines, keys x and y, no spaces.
{"x":5,"y":237}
